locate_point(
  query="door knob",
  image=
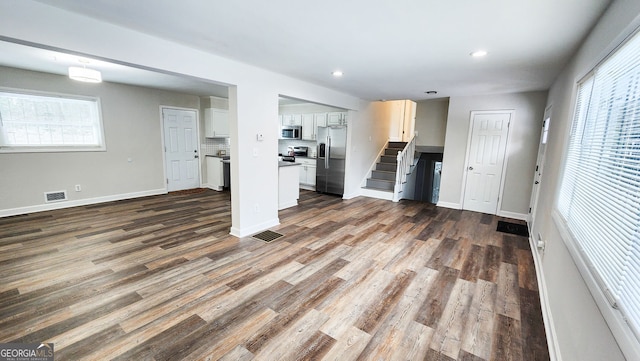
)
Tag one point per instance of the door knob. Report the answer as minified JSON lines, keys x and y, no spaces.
{"x":470,"y":168}
{"x":196,"y":156}
{"x":536,"y":182}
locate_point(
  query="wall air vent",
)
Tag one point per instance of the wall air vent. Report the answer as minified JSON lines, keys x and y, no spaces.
{"x":55,"y":196}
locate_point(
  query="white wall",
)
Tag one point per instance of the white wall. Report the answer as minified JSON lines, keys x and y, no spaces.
{"x":431,"y":122}
{"x":581,"y":332}
{"x":132,"y":126}
{"x":253,"y":103}
{"x":521,"y":149}
{"x":368,"y":133}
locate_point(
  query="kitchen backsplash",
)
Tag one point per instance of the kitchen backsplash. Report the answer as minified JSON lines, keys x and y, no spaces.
{"x":211,"y":146}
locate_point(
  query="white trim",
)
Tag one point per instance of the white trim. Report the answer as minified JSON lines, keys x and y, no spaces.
{"x":350,"y":195}
{"x":549,"y":326}
{"x":378,"y":194}
{"x":80,"y":202}
{"x":237,"y":232}
{"x":449,"y":205}
{"x":621,"y":331}
{"x":513,"y":215}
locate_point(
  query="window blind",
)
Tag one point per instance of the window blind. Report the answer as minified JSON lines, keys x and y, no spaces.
{"x":600,"y":188}
{"x":35,"y":120}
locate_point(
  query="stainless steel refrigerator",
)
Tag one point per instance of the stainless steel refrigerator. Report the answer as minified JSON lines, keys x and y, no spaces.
{"x":332,"y":150}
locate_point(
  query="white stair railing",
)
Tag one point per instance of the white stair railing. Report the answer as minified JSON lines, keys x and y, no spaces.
{"x":405,"y":160}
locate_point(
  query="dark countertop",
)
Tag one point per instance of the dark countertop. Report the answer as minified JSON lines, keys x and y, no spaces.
{"x":287,"y":164}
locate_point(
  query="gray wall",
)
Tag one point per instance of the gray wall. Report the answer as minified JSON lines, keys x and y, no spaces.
{"x":132,"y":126}
{"x":581,"y":331}
{"x":431,"y":122}
{"x":521,"y":149}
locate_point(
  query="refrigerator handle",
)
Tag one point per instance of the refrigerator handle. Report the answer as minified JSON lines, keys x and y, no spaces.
{"x":328,"y":153}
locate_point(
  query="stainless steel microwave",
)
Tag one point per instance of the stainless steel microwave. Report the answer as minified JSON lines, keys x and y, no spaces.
{"x":290,"y":132}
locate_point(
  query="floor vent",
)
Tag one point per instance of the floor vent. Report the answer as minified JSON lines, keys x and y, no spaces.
{"x":55,"y":196}
{"x":513,"y":228}
{"x":267,"y":236}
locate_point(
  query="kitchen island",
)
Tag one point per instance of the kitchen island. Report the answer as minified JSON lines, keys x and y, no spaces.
{"x":288,"y":187}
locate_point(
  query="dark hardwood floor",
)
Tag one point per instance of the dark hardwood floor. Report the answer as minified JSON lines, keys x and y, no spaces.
{"x":159,"y":278}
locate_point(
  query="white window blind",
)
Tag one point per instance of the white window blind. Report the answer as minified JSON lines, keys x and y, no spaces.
{"x":49,"y":122}
{"x":600,"y":189}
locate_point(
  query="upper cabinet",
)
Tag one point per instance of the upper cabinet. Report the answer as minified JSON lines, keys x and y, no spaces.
{"x":336,"y":118}
{"x":403,"y":120}
{"x":308,"y":127}
{"x":216,"y":123}
{"x":291,"y":119}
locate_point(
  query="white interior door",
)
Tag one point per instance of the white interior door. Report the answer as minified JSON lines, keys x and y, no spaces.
{"x":485,"y":161}
{"x":181,"y":148}
{"x":537,"y":176}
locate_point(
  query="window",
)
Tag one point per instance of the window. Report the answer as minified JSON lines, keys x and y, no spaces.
{"x":31,"y":122}
{"x":599,"y":200}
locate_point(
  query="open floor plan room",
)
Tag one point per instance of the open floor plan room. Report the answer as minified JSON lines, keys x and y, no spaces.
{"x":159,"y":278}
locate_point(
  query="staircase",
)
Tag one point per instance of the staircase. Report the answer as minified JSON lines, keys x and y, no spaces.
{"x":383,"y":177}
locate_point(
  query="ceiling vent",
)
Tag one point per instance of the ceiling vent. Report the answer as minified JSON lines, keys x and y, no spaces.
{"x":55,"y":196}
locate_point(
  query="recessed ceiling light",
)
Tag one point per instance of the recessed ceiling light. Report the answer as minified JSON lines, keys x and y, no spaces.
{"x":337,"y":73}
{"x":479,"y":53}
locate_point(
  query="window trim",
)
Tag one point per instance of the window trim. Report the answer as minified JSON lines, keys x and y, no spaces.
{"x":102,"y":147}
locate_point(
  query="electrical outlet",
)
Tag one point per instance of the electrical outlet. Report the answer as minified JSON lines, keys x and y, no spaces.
{"x":78,"y":188}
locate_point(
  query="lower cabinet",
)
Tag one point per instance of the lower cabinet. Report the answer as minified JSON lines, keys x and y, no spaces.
{"x":307,"y":173}
{"x":215,"y":173}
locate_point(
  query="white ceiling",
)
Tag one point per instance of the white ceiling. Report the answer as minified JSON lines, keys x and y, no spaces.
{"x":386,"y":49}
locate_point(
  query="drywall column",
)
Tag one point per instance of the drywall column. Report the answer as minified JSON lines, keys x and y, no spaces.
{"x":253,"y":121}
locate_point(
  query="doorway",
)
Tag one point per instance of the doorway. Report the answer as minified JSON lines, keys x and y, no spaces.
{"x":486,"y":149}
{"x":182,"y":163}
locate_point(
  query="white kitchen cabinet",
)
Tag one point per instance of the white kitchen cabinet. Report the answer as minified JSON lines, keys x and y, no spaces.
{"x":321,"y":119}
{"x":307,"y":174}
{"x":403,"y":120}
{"x":336,"y":118}
{"x":215,"y":173}
{"x":216,"y":123}
{"x":291,"y":119}
{"x":308,"y":127}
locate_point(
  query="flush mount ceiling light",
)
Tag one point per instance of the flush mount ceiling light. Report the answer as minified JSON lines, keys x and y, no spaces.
{"x":337,"y":73}
{"x":85,"y":74}
{"x":478,"y":53}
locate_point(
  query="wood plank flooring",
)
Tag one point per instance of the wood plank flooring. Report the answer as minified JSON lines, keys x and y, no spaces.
{"x":159,"y":278}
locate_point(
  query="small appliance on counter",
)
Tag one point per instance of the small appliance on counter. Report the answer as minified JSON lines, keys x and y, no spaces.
{"x":297,"y":151}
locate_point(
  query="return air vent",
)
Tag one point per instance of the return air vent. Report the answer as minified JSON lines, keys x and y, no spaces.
{"x":55,"y":196}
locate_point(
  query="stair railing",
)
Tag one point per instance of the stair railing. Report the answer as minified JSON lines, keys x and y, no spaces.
{"x":405,"y":159}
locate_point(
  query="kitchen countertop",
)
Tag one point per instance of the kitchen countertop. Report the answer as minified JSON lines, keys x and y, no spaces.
{"x":287,"y":164}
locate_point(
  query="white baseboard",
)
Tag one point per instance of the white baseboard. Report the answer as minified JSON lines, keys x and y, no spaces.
{"x":549,"y":327}
{"x":373,"y":193}
{"x":351,"y":195}
{"x":79,"y":202}
{"x":244,"y":232}
{"x":289,"y":204}
{"x":449,"y":205}
{"x":513,"y":215}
